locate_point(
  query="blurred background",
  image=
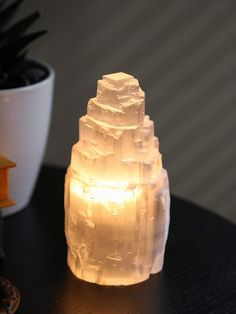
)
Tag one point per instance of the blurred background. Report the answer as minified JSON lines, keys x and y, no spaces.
{"x":184,"y":54}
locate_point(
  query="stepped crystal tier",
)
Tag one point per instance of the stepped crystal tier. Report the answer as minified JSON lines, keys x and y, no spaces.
{"x":116,"y":191}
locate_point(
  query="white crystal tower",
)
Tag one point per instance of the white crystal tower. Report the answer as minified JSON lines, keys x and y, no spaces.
{"x":116,"y":191}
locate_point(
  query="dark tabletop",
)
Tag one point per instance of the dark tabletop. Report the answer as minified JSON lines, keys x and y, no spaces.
{"x":199,"y":274}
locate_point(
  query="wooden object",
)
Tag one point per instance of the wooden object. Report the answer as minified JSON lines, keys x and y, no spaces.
{"x":5,"y":164}
{"x":10,"y":297}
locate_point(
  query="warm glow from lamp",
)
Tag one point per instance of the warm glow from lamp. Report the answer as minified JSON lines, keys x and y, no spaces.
{"x":106,"y":194}
{"x":116,"y":191}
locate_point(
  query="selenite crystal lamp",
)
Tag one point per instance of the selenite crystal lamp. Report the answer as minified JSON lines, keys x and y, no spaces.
{"x":116,"y":191}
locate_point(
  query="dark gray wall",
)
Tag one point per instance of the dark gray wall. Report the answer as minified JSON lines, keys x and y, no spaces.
{"x":184,"y":54}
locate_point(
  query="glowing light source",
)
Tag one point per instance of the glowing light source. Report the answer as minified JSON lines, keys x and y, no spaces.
{"x":116,"y":191}
{"x":103,"y":193}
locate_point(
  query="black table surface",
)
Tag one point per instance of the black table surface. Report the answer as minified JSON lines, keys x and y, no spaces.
{"x":199,"y":274}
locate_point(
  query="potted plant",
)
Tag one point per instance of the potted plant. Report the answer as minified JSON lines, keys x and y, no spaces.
{"x":26,"y":90}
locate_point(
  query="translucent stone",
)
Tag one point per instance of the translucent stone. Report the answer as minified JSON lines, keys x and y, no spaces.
{"x":116,"y":191}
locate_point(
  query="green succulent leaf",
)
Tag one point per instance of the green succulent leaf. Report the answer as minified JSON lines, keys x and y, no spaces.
{"x":7,"y":13}
{"x":16,"y":65}
{"x":17,"y":46}
{"x":13,"y":43}
{"x":16,"y":31}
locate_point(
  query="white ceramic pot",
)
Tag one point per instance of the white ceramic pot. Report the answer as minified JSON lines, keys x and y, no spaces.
{"x":25,"y":114}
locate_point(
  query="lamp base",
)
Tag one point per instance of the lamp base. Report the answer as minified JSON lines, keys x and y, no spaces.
{"x":93,"y":275}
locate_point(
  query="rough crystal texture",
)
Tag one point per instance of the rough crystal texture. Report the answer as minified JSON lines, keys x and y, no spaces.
{"x":116,"y":191}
